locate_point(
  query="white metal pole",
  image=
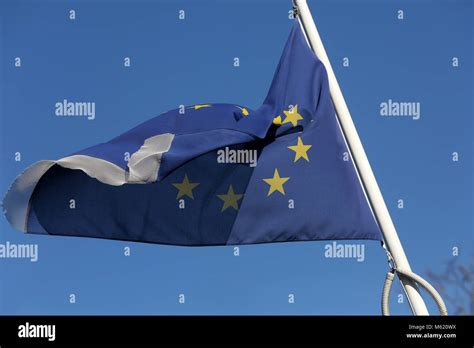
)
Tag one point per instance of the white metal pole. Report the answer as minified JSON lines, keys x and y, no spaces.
{"x":361,"y":162}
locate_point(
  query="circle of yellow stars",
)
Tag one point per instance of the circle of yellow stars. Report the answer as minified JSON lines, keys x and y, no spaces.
{"x":276,"y":183}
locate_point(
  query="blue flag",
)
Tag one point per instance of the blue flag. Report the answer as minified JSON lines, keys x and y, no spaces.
{"x":210,"y":174}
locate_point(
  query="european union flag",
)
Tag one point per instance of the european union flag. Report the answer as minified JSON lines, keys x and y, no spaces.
{"x":211,"y":174}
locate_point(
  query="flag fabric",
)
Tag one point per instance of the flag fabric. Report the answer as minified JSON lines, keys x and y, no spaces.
{"x":210,"y":174}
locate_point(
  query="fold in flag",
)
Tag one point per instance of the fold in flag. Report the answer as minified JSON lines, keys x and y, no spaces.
{"x":211,"y":174}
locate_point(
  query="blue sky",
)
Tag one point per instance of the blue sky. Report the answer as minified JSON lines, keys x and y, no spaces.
{"x":190,"y":61}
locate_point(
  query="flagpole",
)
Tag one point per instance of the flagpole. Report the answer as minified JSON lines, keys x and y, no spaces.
{"x":361,"y":162}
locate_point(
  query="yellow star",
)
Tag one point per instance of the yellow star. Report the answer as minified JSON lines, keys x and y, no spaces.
{"x":292,"y":116}
{"x":199,"y":106}
{"x":185,"y":188}
{"x":277,"y":120}
{"x":276,"y":183}
{"x":230,"y":199}
{"x":244,"y":111}
{"x":300,"y":150}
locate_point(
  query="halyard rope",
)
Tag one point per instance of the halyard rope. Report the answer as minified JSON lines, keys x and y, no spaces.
{"x":414,"y":277}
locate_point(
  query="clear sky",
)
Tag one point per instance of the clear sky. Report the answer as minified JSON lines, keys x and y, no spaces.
{"x":186,"y":61}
